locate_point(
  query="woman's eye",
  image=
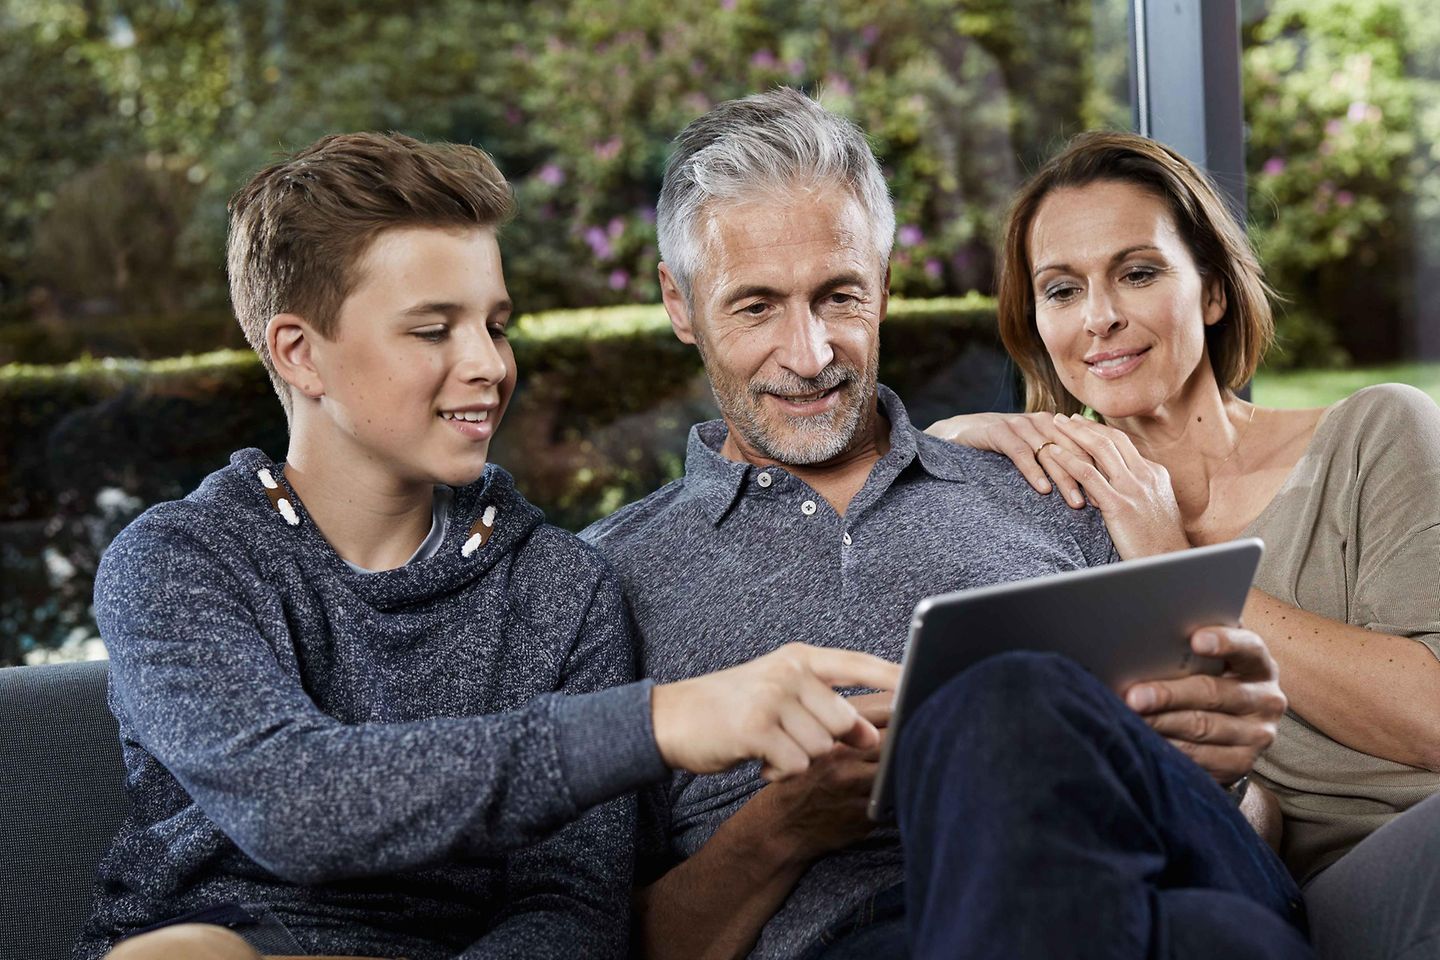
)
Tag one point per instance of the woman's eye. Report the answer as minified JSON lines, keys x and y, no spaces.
{"x":1139,"y":275}
{"x":1061,"y":293}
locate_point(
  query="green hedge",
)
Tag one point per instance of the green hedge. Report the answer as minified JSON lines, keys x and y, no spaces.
{"x":605,"y":404}
{"x":589,"y":381}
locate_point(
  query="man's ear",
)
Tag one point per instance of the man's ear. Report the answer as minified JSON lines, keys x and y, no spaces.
{"x":1215,"y":302}
{"x":676,"y":306}
{"x":885,"y":296}
{"x":289,"y":338}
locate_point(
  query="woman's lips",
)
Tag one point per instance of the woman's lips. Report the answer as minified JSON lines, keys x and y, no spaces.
{"x":1116,"y":365}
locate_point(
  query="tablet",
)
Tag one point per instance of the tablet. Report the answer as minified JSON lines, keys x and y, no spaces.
{"x":1124,"y":622}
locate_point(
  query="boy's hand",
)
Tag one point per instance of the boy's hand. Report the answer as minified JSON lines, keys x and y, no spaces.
{"x":780,"y":709}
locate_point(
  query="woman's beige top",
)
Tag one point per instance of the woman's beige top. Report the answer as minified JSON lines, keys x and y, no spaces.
{"x":1354,"y":535}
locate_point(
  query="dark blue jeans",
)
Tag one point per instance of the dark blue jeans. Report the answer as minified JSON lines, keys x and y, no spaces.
{"x":1042,"y":819}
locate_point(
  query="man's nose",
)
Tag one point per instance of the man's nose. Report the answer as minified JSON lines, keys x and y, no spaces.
{"x":1102,"y":314}
{"x":807,"y":350}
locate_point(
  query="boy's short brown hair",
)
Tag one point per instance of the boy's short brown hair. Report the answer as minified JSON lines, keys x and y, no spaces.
{"x":299,"y":228}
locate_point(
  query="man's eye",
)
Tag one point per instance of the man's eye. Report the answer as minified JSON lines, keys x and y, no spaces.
{"x":431,"y":334}
{"x":841,"y":299}
{"x":755,"y":309}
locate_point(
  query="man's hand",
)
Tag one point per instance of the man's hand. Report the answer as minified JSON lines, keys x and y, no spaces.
{"x":1222,"y":723}
{"x":824,"y":808}
{"x":780,"y":708}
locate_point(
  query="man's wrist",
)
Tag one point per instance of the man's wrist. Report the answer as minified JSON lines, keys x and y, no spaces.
{"x":763,"y":823}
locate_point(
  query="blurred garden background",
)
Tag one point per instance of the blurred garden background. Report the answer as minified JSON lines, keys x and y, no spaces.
{"x":124,"y":379}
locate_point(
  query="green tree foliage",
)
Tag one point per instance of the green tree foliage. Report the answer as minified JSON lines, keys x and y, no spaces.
{"x":577,"y":99}
{"x":1343,"y":101}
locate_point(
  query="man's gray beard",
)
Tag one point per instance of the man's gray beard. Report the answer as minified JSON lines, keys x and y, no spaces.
{"x":809,"y":440}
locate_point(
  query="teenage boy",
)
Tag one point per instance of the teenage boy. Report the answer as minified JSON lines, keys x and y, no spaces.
{"x":368,"y":699}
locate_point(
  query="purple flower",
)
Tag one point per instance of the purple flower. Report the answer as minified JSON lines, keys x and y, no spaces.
{"x":619,"y":279}
{"x":1358,"y":111}
{"x":607,"y":150}
{"x":551,"y":175}
{"x":1344,"y":198}
{"x":1274,"y":166}
{"x":869,"y":34}
{"x":796,"y":67}
{"x":1333,"y":128}
{"x":839,"y":85}
{"x":727,"y":5}
{"x":513,"y":116}
{"x":615,"y":227}
{"x":910,"y":235}
{"x":599,"y":243}
{"x":763,"y":59}
{"x":647,"y":214}
{"x":932,"y":268}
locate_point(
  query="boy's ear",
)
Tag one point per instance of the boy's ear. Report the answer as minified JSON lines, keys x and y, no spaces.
{"x":676,"y":306}
{"x":289,"y":339}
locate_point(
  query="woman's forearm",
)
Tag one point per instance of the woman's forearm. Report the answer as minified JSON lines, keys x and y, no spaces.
{"x":1373,"y":692}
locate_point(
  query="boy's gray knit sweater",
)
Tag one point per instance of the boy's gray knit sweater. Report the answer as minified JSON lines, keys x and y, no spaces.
{"x":378,"y":759}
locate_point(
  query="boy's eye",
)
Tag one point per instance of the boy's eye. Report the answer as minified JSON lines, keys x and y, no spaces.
{"x":498,"y":331}
{"x":431,"y":334}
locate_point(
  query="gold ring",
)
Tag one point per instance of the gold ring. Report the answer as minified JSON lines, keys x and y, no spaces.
{"x":1047,"y":443}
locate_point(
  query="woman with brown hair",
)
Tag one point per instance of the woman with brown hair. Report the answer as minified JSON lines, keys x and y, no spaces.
{"x":1126,"y":287}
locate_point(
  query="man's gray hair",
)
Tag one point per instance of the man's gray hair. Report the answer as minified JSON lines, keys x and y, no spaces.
{"x":773,"y":141}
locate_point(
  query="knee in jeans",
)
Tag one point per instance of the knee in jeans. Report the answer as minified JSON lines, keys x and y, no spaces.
{"x":1005,"y":684}
{"x":186,"y":941}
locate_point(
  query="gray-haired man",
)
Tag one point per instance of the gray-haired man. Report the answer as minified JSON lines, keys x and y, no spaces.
{"x":815,"y":511}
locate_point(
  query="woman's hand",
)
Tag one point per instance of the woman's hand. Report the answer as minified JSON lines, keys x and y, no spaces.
{"x":1028,"y":439}
{"x":1133,"y":494}
{"x":1222,"y":723}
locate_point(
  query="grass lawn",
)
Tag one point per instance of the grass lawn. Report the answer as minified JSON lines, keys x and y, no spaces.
{"x":1316,"y":388}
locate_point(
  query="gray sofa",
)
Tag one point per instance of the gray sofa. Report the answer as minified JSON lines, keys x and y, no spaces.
{"x":62,"y":796}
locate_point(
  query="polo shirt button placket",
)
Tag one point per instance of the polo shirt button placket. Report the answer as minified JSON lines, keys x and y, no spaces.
{"x":808,"y":508}
{"x":764,"y":480}
{"x":846,"y":538}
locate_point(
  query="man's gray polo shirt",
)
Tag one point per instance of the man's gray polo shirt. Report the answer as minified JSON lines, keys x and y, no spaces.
{"x":733,"y":560}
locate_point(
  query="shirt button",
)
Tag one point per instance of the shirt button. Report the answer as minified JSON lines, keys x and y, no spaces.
{"x":763,"y":480}
{"x":845,"y":539}
{"x":808,"y":507}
